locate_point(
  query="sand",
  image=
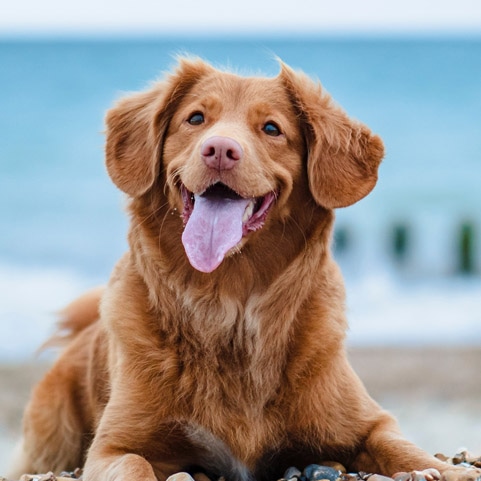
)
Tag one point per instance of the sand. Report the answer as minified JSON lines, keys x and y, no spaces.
{"x":434,"y":392}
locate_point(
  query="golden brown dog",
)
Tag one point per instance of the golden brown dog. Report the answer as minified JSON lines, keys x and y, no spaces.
{"x":219,"y":342}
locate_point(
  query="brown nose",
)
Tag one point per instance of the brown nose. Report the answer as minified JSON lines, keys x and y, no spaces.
{"x":221,"y":153}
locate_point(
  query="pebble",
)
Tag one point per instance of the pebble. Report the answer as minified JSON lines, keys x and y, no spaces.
{"x":325,"y":471}
{"x":378,"y":477}
{"x":39,"y":477}
{"x":364,"y":476}
{"x":350,"y":477}
{"x":180,"y":477}
{"x":430,"y":474}
{"x":291,"y":473}
{"x":48,"y":477}
{"x":315,"y":472}
{"x":402,"y":476}
{"x":76,"y":474}
{"x":459,"y":458}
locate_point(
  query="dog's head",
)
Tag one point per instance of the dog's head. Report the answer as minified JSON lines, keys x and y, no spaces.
{"x":234,"y":154}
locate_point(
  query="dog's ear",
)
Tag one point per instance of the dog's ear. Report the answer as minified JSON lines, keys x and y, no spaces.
{"x":343,"y":155}
{"x":136,"y":126}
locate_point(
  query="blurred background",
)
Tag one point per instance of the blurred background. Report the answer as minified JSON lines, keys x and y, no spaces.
{"x":410,"y":252}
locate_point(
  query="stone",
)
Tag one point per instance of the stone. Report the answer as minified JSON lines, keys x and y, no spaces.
{"x":473,"y":459}
{"x":180,"y":477}
{"x":459,"y":458}
{"x":430,"y":474}
{"x":379,"y":477}
{"x":30,"y":477}
{"x":315,"y":472}
{"x":402,"y":476}
{"x":292,"y":472}
{"x":363,"y":475}
{"x":350,"y":477}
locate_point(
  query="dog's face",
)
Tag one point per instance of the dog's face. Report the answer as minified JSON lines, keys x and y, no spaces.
{"x":236,"y":154}
{"x":233,"y":150}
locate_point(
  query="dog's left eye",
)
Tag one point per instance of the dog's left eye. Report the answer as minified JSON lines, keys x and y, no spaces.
{"x":270,"y":128}
{"x":196,"y":118}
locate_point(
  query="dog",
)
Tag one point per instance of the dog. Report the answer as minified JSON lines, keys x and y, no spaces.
{"x":218,"y":344}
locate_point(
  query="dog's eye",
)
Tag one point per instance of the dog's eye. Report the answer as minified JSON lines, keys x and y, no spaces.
{"x":270,"y":128}
{"x":196,"y":118}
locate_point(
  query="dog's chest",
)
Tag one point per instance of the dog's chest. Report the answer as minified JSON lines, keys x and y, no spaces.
{"x":225,"y":399}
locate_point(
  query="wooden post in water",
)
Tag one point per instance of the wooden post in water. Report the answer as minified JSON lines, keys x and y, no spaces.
{"x":342,"y":240}
{"x":466,"y":248}
{"x":400,"y":242}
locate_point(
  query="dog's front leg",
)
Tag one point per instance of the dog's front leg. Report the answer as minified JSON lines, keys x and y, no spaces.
{"x":386,"y":451}
{"x":111,"y":465}
{"x":146,"y":449}
{"x":107,"y":461}
{"x":133,"y":444}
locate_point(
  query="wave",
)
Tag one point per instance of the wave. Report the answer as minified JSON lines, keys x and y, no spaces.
{"x":384,"y":309}
{"x":31,"y":297}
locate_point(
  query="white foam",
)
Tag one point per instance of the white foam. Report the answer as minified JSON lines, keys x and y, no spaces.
{"x":29,"y":300}
{"x":383,"y":309}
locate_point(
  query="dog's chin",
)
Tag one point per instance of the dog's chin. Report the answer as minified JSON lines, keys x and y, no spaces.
{"x":217,"y":222}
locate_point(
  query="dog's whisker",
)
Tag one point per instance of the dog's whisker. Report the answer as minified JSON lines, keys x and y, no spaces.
{"x":173,"y":177}
{"x":153,"y":214}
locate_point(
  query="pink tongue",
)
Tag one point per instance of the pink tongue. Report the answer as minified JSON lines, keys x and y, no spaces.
{"x":214,"y":227}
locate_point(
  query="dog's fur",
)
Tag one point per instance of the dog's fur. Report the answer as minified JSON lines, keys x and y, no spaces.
{"x":240,"y":371}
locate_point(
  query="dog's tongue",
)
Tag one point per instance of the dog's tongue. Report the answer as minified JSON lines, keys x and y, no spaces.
{"x":214,"y":227}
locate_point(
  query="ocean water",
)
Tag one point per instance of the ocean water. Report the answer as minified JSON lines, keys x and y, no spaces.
{"x":62,"y":224}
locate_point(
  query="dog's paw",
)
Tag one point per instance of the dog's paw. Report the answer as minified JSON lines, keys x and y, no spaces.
{"x":461,"y":474}
{"x":424,"y":475}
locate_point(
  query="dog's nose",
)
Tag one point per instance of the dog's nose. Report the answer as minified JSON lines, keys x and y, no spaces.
{"x":221,"y":153}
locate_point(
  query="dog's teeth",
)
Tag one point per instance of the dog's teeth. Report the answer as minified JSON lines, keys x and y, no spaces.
{"x":249,"y":210}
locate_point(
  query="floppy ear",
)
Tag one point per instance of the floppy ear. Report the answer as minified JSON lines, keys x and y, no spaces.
{"x":136,"y":126}
{"x":343,"y":155}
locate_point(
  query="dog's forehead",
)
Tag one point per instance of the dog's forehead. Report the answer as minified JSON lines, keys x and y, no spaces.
{"x":241,"y":91}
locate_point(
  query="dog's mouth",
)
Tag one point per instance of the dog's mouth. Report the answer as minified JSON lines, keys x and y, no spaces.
{"x":216,"y":221}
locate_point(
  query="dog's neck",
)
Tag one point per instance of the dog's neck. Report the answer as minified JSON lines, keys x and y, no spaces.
{"x":237,"y":306}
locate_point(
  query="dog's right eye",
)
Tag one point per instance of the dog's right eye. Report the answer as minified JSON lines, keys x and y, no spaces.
{"x":270,"y":128}
{"x":196,"y":118}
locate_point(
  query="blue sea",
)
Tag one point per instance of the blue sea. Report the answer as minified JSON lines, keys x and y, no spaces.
{"x":63,"y":224}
